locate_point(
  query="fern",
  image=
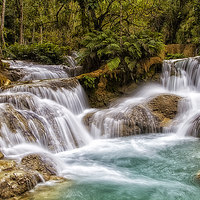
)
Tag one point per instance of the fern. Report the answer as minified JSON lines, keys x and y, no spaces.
{"x":114,"y":63}
{"x":106,"y":46}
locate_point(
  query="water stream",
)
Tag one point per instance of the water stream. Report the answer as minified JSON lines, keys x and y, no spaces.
{"x":45,"y":117}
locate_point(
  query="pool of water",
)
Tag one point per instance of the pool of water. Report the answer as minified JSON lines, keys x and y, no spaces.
{"x":144,"y":167}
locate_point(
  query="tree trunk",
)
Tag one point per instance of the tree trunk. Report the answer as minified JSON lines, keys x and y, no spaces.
{"x":41,"y":38}
{"x":2,"y":23}
{"x":121,"y":23}
{"x":33,"y":35}
{"x":83,"y":16}
{"x":21,"y":22}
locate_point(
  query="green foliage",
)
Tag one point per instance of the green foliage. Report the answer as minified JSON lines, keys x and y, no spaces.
{"x":45,"y":53}
{"x":174,"y":56}
{"x":88,"y":81}
{"x":113,"y":63}
{"x":106,"y":46}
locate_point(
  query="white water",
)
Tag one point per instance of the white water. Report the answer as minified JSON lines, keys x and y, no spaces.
{"x":55,"y":108}
{"x":43,"y":113}
{"x":152,"y":166}
{"x":179,"y":77}
{"x":34,"y":71}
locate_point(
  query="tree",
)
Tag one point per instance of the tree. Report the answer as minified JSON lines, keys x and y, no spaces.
{"x":2,"y":23}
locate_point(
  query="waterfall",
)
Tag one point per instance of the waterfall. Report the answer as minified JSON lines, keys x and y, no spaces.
{"x":66,"y":92}
{"x":43,"y":112}
{"x":181,"y":74}
{"x":181,"y":77}
{"x":127,"y":117}
{"x":131,"y":116}
{"x":33,"y":71}
{"x":44,"y":117}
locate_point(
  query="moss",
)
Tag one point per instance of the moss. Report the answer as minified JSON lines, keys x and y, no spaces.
{"x":174,"y":56}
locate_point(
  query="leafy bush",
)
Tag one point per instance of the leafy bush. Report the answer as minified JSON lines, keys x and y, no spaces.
{"x":174,"y":56}
{"x":106,"y":46}
{"x":47,"y":53}
{"x":88,"y":81}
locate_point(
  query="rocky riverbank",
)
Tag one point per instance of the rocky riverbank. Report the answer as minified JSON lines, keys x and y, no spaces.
{"x":18,"y":177}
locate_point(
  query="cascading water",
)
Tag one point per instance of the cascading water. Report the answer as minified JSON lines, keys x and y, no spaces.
{"x":182,"y":77}
{"x":33,"y":71}
{"x":43,"y":112}
{"x":150,"y":166}
{"x":66,"y":92}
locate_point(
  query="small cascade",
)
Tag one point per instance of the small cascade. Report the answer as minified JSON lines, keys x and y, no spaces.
{"x":181,"y":74}
{"x":73,"y":69}
{"x":42,"y":122}
{"x":42,"y":112}
{"x":67,"y":92}
{"x":32,"y":71}
{"x":123,"y":121}
{"x":181,"y":77}
{"x":129,"y":117}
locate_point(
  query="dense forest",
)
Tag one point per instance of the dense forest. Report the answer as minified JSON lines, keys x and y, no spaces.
{"x":116,"y":32}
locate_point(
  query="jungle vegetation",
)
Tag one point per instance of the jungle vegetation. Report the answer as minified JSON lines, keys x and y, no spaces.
{"x":112,"y":32}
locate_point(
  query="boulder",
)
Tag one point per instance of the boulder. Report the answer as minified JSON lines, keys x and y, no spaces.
{"x":14,"y":183}
{"x":15,"y":179}
{"x":165,"y":107}
{"x":148,"y":117}
{"x":44,"y":166}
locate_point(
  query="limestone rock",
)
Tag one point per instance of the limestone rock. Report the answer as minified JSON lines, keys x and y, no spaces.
{"x":7,"y":165}
{"x":87,"y":120}
{"x":17,"y":179}
{"x":43,"y":165}
{"x":165,"y":107}
{"x":17,"y":182}
{"x":1,"y":155}
{"x":143,"y":118}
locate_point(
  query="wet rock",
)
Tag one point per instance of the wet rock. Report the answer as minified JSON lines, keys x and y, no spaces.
{"x":165,"y":107}
{"x":1,"y":155}
{"x":44,"y":166}
{"x":87,"y":120}
{"x":15,"y":179}
{"x":148,"y":117}
{"x":7,"y":165}
{"x":17,"y":182}
{"x":193,"y":127}
{"x":54,"y":84}
{"x":13,"y":74}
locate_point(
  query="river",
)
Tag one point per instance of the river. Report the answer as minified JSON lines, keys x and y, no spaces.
{"x":151,"y":166}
